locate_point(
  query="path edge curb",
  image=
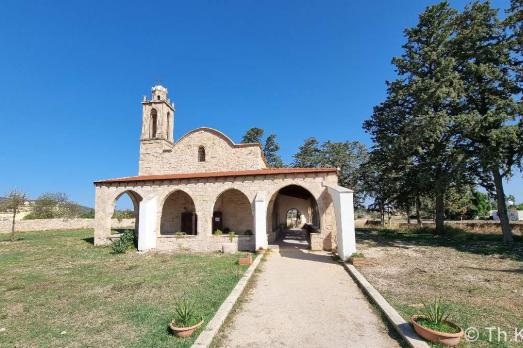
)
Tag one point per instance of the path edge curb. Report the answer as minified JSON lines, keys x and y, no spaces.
{"x":401,"y":325}
{"x":207,"y":335}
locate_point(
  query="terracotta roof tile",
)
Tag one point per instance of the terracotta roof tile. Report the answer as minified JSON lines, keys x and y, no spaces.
{"x":269,"y":171}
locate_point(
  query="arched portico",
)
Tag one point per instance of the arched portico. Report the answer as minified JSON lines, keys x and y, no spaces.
{"x":291,"y":198}
{"x":178,"y":214}
{"x":232,"y":212}
{"x":135,"y":199}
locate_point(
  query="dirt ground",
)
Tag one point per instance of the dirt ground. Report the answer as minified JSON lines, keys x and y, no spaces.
{"x":481,"y":280}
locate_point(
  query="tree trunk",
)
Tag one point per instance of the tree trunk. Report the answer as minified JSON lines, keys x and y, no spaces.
{"x":418,"y":207}
{"x":13,"y":226}
{"x":408,"y":215}
{"x":382,"y":214}
{"x":502,"y":207}
{"x":440,"y":212}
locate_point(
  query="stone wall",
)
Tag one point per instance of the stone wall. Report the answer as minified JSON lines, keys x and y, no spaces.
{"x":59,"y":224}
{"x":221,"y":154}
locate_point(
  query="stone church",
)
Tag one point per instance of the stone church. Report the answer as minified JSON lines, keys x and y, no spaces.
{"x":189,"y":190}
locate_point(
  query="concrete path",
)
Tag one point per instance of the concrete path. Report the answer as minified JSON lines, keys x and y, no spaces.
{"x":305,"y":299}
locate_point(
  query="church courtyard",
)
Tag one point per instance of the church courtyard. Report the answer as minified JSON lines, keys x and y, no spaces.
{"x":58,"y":290}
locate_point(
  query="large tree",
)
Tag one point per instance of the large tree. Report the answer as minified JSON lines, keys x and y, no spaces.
{"x":428,"y":73}
{"x":270,"y":150}
{"x":253,"y":135}
{"x":308,"y":155}
{"x":347,"y":157}
{"x":489,"y":109}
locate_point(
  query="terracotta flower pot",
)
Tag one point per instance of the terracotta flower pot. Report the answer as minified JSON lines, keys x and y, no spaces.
{"x":247,"y":260}
{"x":357,"y":261}
{"x":448,"y":339}
{"x":184,"y":331}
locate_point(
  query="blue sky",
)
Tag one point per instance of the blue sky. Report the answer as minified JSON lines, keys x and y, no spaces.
{"x":73,"y":73}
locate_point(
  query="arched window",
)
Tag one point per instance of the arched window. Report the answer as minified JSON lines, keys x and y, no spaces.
{"x":201,"y":154}
{"x":158,"y":97}
{"x":154,"y":125}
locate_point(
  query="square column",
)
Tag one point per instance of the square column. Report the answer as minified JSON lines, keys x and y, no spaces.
{"x":147,"y":224}
{"x":344,"y":210}
{"x":260,"y":221}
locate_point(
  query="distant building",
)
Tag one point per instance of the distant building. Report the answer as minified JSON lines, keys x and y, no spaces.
{"x":513,"y":215}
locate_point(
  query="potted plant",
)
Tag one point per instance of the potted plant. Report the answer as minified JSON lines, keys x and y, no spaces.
{"x":186,"y":321}
{"x":230,"y":247}
{"x":357,"y":259}
{"x":245,"y":259}
{"x":434,"y":325}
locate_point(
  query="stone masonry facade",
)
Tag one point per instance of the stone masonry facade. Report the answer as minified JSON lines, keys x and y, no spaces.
{"x":185,"y":187}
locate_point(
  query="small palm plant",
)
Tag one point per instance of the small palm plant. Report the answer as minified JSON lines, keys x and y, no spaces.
{"x":436,"y":312}
{"x":435,"y":316}
{"x":231,"y":236}
{"x":184,"y":313}
{"x":186,"y":319}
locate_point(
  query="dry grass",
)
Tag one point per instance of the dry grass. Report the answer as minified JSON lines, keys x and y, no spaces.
{"x":57,"y":289}
{"x":480,"y":278}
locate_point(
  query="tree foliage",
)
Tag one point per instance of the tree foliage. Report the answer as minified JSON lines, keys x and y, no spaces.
{"x":452,"y":118}
{"x":52,"y":205}
{"x":270,"y":149}
{"x":348,"y":157}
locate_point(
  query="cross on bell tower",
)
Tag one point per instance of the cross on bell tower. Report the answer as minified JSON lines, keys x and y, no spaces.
{"x":158,"y":116}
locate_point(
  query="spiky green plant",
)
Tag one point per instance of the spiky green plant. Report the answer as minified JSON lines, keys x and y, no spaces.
{"x":436,"y":311}
{"x":185,"y":313}
{"x":231,"y":236}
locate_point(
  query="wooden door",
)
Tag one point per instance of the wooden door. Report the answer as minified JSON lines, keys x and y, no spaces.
{"x":217,"y":221}
{"x":189,"y":223}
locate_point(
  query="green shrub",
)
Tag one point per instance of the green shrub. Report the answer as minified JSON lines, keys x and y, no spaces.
{"x":248,"y":233}
{"x":126,"y":242}
{"x":360,"y":255}
{"x":218,"y":233}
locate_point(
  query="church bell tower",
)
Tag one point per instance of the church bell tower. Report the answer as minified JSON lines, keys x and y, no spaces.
{"x":157,"y":116}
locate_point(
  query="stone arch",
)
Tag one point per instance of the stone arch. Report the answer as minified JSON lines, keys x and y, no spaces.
{"x":232,"y":210}
{"x":287,"y":197}
{"x":178,"y":214}
{"x":135,"y":199}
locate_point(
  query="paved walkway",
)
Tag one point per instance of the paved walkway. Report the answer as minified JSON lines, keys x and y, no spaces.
{"x":304,"y":299}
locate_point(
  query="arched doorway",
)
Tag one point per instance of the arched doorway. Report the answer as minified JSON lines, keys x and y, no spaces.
{"x":126,"y":210}
{"x":232,"y":213}
{"x":292,"y":208}
{"x":179,"y":215}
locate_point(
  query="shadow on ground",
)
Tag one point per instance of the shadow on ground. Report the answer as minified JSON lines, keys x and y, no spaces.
{"x":476,"y":243}
{"x":293,"y":244}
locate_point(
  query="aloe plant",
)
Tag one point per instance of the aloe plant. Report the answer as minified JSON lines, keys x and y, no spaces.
{"x":436,"y":312}
{"x":185,"y":314}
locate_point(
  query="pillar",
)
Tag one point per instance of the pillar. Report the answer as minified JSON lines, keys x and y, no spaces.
{"x":147,"y":224}
{"x":260,"y":221}
{"x":344,"y":210}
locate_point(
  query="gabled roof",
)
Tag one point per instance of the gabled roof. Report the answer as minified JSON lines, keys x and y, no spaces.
{"x":268,"y":171}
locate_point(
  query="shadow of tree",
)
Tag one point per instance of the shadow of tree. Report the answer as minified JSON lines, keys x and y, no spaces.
{"x":476,"y":243}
